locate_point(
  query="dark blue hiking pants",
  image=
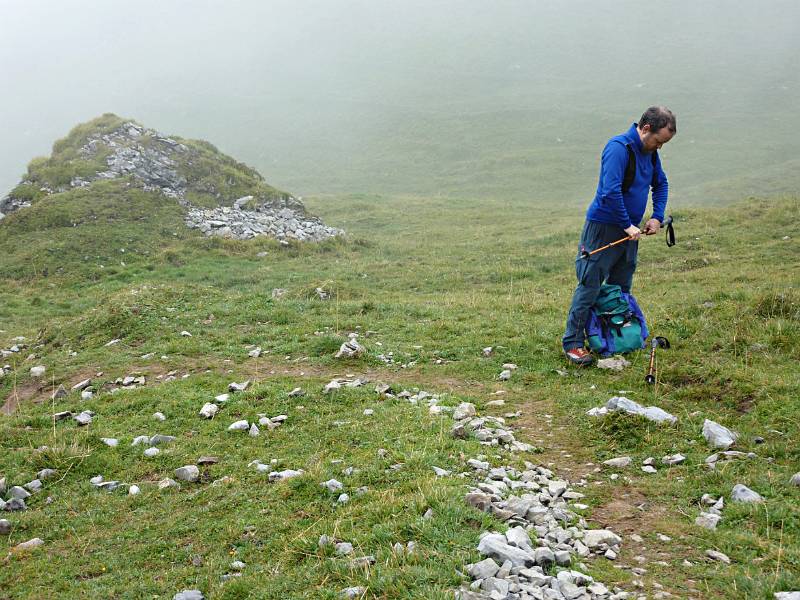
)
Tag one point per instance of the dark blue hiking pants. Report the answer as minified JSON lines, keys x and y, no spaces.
{"x":614,"y":265}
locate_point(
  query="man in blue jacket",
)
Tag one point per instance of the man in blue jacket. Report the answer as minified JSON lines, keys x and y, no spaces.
{"x":617,"y":211}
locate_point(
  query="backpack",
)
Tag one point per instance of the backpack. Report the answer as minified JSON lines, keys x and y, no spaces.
{"x":616,"y":324}
{"x":630,"y":169}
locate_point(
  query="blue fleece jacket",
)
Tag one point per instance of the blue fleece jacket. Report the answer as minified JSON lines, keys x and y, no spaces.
{"x":610,"y":205}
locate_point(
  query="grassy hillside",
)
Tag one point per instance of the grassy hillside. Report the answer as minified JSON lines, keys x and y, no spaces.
{"x":435,"y":281}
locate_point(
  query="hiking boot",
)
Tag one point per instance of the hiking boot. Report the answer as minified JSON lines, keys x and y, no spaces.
{"x":579,"y":356}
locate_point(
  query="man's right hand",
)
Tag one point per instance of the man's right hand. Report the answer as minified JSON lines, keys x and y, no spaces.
{"x":633,"y":232}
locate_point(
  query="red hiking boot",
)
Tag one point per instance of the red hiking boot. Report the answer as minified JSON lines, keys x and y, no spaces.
{"x":579,"y":356}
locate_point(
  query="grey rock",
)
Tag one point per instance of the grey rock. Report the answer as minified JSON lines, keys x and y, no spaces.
{"x":61,"y":392}
{"x":108,"y":486}
{"x":34,"y":486}
{"x":563,"y":558}
{"x":652,"y":413}
{"x":189,"y":595}
{"x":188,"y":473}
{"x":674,"y":459}
{"x":742,"y":493}
{"x":362,"y":561}
{"x":133,"y":490}
{"x":495,"y":587}
{"x":15,"y":504}
{"x":333,"y":485}
{"x":478,"y":500}
{"x":505,"y":375}
{"x":3,"y":486}
{"x":614,"y":363}
{"x":238,"y":387}
{"x":242,"y":425}
{"x":344,"y":548}
{"x":159,"y":416}
{"x":715,"y":555}
{"x":82,"y":385}
{"x":19,"y":492}
{"x":619,"y":463}
{"x":44,"y":474}
{"x":158,"y":439}
{"x":141,"y":439}
{"x":517,"y":536}
{"x":592,"y":538}
{"x":718,"y":436}
{"x":29,"y":545}
{"x":351,"y":593}
{"x":787,"y":595}
{"x":5,"y":527}
{"x":483,"y":569}
{"x":254,"y":431}
{"x":60,"y":416}
{"x":275,"y":476}
{"x":110,"y":442}
{"x":707,"y":520}
{"x":151,"y":452}
{"x":167,"y":483}
{"x":464,"y":411}
{"x":495,"y":545}
{"x":544,"y":557}
{"x":84,"y":418}
{"x":209,"y":410}
{"x":795,"y":480}
{"x":38,"y":371}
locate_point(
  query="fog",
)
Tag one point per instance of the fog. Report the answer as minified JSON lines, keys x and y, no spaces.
{"x":470,"y":98}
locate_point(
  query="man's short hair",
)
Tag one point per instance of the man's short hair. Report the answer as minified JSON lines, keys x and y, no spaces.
{"x":658,"y":117}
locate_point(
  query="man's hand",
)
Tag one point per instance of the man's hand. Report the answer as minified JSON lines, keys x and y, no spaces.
{"x":652,"y":227}
{"x":634,"y":232}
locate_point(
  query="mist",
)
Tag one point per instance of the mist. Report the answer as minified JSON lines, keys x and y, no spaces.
{"x":471,"y":98}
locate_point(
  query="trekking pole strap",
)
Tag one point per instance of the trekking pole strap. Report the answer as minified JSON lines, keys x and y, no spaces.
{"x":670,"y":231}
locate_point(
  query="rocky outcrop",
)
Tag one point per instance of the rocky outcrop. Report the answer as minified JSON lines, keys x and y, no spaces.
{"x":182,"y":171}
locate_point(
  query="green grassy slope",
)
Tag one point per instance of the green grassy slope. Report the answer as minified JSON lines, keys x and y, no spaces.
{"x":437,"y":281}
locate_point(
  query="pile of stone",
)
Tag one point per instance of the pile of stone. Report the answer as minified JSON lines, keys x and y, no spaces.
{"x":17,"y":347}
{"x":243,"y":224}
{"x":489,"y":431}
{"x":13,"y":498}
{"x":351,"y":348}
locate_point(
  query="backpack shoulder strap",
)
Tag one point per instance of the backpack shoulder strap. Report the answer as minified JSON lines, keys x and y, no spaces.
{"x":654,"y":158}
{"x":630,"y":170}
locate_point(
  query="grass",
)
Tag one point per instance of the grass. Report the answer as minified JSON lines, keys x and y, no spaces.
{"x":434,"y":281}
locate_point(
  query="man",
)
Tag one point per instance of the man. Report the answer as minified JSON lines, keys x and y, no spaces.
{"x":617,"y":211}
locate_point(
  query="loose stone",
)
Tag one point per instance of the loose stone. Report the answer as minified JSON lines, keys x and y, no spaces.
{"x":188,"y":473}
{"x":332,"y":485}
{"x":718,"y":436}
{"x":159,"y":416}
{"x":239,"y":426}
{"x":29,"y":545}
{"x":5,"y":527}
{"x":189,"y":595}
{"x":707,"y":520}
{"x":167,"y":483}
{"x":110,"y":442}
{"x":159,"y":439}
{"x":209,"y":410}
{"x":43,"y":474}
{"x":133,"y":490}
{"x":353,"y":592}
{"x":254,"y":431}
{"x":742,"y":493}
{"x":151,"y":452}
{"x":619,"y":462}
{"x":714,"y":555}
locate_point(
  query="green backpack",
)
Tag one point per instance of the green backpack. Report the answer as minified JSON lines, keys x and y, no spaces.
{"x":616,"y":324}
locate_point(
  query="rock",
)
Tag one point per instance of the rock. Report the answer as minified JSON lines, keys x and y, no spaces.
{"x":238,"y":387}
{"x":43,"y":474}
{"x":353,"y":592}
{"x":159,"y":439}
{"x":674,"y":459}
{"x":483,"y":569}
{"x":159,"y":416}
{"x":343,"y":499}
{"x":344,"y":548}
{"x":222,"y":398}
{"x":133,"y":490}
{"x":362,"y":561}
{"x":238,"y":565}
{"x":29,"y":545}
{"x":440,"y":472}
{"x":207,"y":460}
{"x":209,"y":410}
{"x":19,"y":493}
{"x":186,"y":334}
{"x":707,"y":520}
{"x":649,"y":469}
{"x":253,"y":431}
{"x":593,"y":538}
{"x":110,"y":442}
{"x":497,"y":588}
{"x":83,"y":419}
{"x":718,"y":436}
{"x":167,"y":483}
{"x":332,"y":485}
{"x":787,"y":595}
{"x":544,"y":557}
{"x":284,"y":475}
{"x":189,"y":595}
{"x":505,"y":375}
{"x":517,"y":536}
{"x":615,"y":363}
{"x":297,"y":393}
{"x":350,"y":349}
{"x":151,"y":452}
{"x":38,"y":371}
{"x":141,"y":439}
{"x":61,"y":392}
{"x":5,"y":527}
{"x":255,"y":352}
{"x":60,"y":416}
{"x":15,"y":504}
{"x":652,"y":413}
{"x":87,"y":395}
{"x":33,"y":486}
{"x":495,"y":546}
{"x":188,"y":473}
{"x":3,"y":486}
{"x":464,"y":411}
{"x":619,"y":463}
{"x":239,"y":426}
{"x":795,"y":480}
{"x":81,"y":385}
{"x":714,"y":555}
{"x":742,"y":493}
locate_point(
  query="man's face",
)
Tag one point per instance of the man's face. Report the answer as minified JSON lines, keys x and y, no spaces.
{"x":653,"y":140}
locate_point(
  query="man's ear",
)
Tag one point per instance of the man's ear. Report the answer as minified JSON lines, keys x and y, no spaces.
{"x":645,"y":129}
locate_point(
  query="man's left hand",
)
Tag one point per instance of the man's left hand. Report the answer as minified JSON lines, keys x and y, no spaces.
{"x":652,"y":227}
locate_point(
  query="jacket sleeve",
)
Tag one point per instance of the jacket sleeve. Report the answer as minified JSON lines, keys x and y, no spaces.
{"x":660,"y":191}
{"x":614,"y":160}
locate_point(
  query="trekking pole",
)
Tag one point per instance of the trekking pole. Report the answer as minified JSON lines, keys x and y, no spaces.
{"x":656,"y":342}
{"x":667,"y":224}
